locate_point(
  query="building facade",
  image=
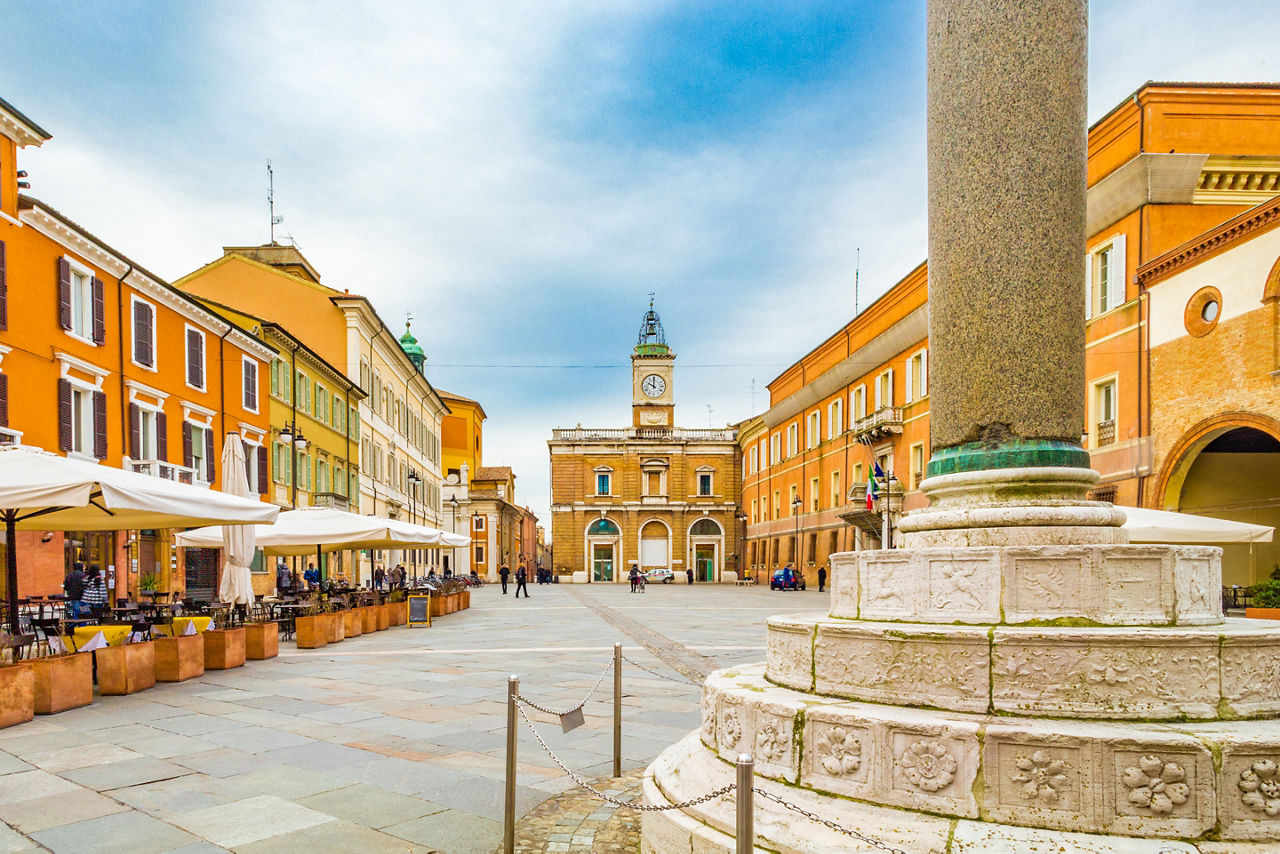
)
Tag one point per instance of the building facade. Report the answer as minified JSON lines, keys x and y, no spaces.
{"x":1168,"y":167}
{"x":105,"y":361}
{"x":653,"y":494}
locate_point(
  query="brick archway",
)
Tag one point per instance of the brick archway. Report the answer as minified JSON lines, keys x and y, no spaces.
{"x":1177,"y":463}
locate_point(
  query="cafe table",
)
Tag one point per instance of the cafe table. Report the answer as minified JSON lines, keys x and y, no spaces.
{"x":179,"y":626}
{"x":115,"y":633}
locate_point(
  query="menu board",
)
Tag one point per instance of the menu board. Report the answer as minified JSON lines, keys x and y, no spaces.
{"x":419,"y":611}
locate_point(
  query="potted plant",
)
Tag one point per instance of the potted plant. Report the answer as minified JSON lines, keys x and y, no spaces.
{"x":353,"y":622}
{"x":1265,"y":601}
{"x":398,"y":607}
{"x":311,"y":631}
{"x":224,"y":648}
{"x":149,"y":582}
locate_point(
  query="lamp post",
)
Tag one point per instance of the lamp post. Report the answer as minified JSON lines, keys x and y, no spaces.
{"x":796,"y":506}
{"x":293,"y":439}
{"x":414,"y":480}
{"x":453,"y":503}
{"x":890,"y":506}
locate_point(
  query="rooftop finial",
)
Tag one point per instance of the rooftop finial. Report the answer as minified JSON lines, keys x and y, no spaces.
{"x":652,"y":340}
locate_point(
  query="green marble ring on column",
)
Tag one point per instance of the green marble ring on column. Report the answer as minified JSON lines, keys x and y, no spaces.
{"x":1017,"y":453}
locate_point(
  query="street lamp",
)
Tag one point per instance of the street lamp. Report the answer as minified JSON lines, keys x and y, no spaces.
{"x":453,"y":503}
{"x":890,"y":502}
{"x":414,"y":480}
{"x":796,"y":505}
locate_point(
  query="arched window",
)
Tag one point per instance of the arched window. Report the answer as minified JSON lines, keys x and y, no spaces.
{"x":705,"y":528}
{"x":602,"y":528}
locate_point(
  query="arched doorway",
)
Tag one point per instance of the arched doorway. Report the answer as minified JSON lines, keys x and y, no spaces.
{"x":603,"y":538}
{"x":706,"y":549}
{"x":1229,"y":468}
{"x":655,"y":546}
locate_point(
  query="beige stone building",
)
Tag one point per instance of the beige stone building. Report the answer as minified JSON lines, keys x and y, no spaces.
{"x":652,"y":494}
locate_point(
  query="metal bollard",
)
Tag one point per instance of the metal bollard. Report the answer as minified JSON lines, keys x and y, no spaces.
{"x":617,"y":709}
{"x":509,"y":810}
{"x":746,"y":804}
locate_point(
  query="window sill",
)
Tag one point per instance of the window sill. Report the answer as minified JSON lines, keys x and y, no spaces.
{"x":200,"y":389}
{"x":81,"y":338}
{"x":83,"y":457}
{"x":152,"y":368}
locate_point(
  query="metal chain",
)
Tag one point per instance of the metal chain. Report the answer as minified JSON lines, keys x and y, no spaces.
{"x":659,"y":675}
{"x":723,"y":790}
{"x":545,"y":710}
{"x":831,"y":824}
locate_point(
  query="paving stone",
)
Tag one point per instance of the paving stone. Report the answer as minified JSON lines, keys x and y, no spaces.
{"x":69,"y":758}
{"x":370,"y":805}
{"x":181,"y":794}
{"x":131,"y":772}
{"x":10,"y":763}
{"x":453,"y":831}
{"x":286,"y":781}
{"x":250,"y":820}
{"x":28,"y":785}
{"x":54,"y":810}
{"x":336,"y":837}
{"x":132,"y":831}
{"x":12,"y":842}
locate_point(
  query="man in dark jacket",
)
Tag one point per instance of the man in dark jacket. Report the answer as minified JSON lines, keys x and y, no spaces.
{"x":73,"y":589}
{"x":522,"y":578}
{"x":822,"y":577}
{"x":504,"y":572}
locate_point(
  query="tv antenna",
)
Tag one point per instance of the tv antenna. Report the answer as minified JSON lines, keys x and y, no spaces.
{"x":857,"y":267}
{"x":271,"y":202}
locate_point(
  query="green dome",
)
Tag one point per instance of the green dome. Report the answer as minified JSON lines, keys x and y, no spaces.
{"x":409,"y":345}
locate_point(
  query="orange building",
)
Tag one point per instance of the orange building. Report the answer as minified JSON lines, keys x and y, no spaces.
{"x":1168,"y":165}
{"x":105,"y":361}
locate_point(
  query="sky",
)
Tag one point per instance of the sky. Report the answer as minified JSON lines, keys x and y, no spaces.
{"x":520,"y":176}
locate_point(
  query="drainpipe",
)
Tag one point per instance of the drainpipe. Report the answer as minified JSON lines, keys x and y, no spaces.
{"x":293,"y":423}
{"x":124,"y":398}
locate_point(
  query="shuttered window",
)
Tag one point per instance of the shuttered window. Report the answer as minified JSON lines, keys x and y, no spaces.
{"x":195,"y":358}
{"x":4,"y":291}
{"x":162,"y":437}
{"x":4,"y":400}
{"x":144,"y":321}
{"x":250,"y":371}
{"x":100,"y":425}
{"x":81,"y":302}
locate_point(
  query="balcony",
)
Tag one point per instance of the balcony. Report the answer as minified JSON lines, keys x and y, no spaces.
{"x":881,"y":424}
{"x":10,"y":437}
{"x":165,"y":471}
{"x":329,"y":499}
{"x":1106,"y":433}
{"x":619,"y":434}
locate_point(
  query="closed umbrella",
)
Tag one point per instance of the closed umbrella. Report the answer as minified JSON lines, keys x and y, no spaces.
{"x":40,"y":491}
{"x":237,"y":540}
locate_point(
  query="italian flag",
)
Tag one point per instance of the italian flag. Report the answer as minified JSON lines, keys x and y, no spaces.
{"x":871,"y":493}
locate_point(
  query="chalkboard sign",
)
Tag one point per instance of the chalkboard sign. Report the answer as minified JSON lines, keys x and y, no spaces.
{"x":419,"y":611}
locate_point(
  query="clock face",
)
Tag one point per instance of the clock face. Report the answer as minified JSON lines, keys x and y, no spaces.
{"x":653,"y":385}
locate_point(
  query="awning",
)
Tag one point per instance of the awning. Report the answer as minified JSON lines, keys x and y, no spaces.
{"x":1163,"y":526}
{"x":308,"y":529}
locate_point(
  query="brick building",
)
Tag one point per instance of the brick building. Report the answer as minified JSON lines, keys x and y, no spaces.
{"x":653,"y":494}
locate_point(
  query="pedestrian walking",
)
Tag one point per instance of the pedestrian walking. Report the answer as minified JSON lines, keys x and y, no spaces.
{"x":379,"y":578}
{"x":688,"y":573}
{"x":73,"y":589}
{"x":522,"y":579}
{"x":635,"y":577}
{"x":822,"y":577}
{"x":95,"y":590}
{"x":504,"y":572}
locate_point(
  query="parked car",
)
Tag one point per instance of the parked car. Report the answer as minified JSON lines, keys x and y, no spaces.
{"x":786,"y":579}
{"x":659,"y":574}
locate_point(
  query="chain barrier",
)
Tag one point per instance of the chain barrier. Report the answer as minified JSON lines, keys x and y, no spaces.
{"x":545,"y":710}
{"x":723,"y":790}
{"x":659,"y":675}
{"x":876,"y":843}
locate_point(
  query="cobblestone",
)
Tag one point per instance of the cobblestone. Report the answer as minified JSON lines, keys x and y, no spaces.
{"x":575,"y":822}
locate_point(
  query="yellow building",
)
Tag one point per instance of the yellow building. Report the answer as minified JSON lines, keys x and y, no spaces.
{"x":461,"y":434}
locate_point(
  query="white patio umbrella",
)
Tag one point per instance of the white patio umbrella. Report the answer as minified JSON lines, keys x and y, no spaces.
{"x":237,"y":540}
{"x":310,"y":529}
{"x":40,"y":491}
{"x":1164,"y":526}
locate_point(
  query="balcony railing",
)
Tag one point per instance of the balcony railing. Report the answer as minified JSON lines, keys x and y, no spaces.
{"x":166,"y":471}
{"x":329,"y":499}
{"x":1106,"y":432}
{"x":10,"y":437}
{"x":885,"y":421}
{"x":616,"y":434}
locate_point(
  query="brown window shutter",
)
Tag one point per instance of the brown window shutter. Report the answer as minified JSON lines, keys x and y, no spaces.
{"x":142,"y":325}
{"x":100,"y":425}
{"x":64,"y":293}
{"x":250,"y":385}
{"x":248,"y":462}
{"x":162,"y":437}
{"x":210,"y":464}
{"x":195,"y":359}
{"x":135,"y":432}
{"x":149,"y":337}
{"x":99,"y":312}
{"x":66,"y":436}
{"x":262,"y":470}
{"x":4,"y":292}
{"x":4,"y":400}
{"x":187,"y":459}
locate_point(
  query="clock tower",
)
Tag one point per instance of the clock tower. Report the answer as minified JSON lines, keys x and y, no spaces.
{"x":652,"y":375}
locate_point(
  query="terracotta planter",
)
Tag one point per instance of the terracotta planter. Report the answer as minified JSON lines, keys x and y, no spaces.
{"x":384,"y":617}
{"x":223,"y":649}
{"x":399,"y":612}
{"x":437,"y":605}
{"x":261,"y":641}
{"x":369,"y":619}
{"x":451,"y":603}
{"x":312,"y":632}
{"x":126,"y":669}
{"x":335,"y":626}
{"x":1262,"y":613}
{"x":63,"y":682}
{"x":179,"y":658}
{"x":352,"y":623}
{"x":466,"y":599}
{"x":17,"y":694}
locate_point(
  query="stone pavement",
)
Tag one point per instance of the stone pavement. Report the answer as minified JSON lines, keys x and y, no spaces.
{"x":387,"y":742}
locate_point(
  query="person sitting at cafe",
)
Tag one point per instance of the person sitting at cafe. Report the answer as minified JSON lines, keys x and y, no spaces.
{"x":95,"y":590}
{"x":73,"y":589}
{"x":311,"y":576}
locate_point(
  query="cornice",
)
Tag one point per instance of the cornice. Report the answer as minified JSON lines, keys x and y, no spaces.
{"x":1211,"y":243}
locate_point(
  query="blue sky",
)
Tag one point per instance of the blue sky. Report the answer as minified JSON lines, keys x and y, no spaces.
{"x":520,"y":176}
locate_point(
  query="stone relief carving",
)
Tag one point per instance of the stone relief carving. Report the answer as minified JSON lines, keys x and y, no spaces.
{"x":1041,"y":777}
{"x":1156,"y":785}
{"x":954,"y":585}
{"x":884,"y":586}
{"x":1259,"y":788}
{"x":927,"y":765}
{"x":729,"y":727}
{"x":1041,"y":583}
{"x":1257,"y":675}
{"x":839,"y":751}
{"x":926,"y":667}
{"x":772,"y":740}
{"x":708,"y":715}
